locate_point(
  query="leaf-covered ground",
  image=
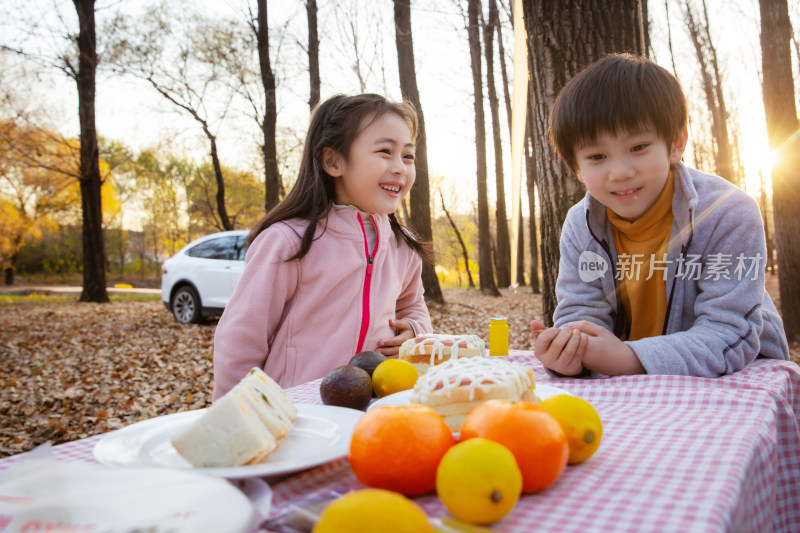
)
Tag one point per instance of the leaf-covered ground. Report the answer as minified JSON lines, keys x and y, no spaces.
{"x":69,"y":370}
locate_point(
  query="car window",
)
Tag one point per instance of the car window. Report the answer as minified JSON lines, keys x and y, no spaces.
{"x":242,"y":245}
{"x":220,"y":248}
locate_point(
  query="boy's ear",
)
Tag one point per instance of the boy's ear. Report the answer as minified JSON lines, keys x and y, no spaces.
{"x":332,"y":162}
{"x":679,"y":146}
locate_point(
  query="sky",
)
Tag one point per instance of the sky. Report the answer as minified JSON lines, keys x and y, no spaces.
{"x":133,"y":113}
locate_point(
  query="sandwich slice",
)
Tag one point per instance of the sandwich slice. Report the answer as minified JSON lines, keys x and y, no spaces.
{"x":228,"y":434}
{"x":242,"y":427}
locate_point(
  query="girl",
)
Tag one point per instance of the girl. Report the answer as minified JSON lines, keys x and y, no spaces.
{"x":329,"y":271}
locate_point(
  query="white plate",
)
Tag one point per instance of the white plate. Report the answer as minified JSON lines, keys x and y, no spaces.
{"x":402,"y":398}
{"x":56,"y":496}
{"x":320,"y":434}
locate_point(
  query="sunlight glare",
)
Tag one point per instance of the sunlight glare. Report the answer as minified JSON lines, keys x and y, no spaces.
{"x":769,"y":159}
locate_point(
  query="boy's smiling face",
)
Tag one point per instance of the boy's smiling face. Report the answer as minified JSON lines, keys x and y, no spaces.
{"x":627,"y":171}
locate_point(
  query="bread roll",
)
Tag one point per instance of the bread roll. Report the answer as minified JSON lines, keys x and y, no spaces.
{"x":431,"y":349}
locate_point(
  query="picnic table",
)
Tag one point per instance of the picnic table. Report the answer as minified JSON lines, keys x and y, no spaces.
{"x":678,"y":454}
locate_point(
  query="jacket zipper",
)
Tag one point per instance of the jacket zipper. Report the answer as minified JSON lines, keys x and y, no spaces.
{"x":365,"y":314}
{"x":684,"y":249}
{"x":619,"y":317}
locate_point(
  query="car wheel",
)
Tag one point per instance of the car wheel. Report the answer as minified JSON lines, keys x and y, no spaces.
{"x":186,"y":306}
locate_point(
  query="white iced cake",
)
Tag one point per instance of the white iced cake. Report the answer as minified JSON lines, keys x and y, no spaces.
{"x":454,"y":388}
{"x":242,"y":427}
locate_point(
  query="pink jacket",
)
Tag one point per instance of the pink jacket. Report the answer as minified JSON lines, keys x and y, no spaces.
{"x":300,"y":319}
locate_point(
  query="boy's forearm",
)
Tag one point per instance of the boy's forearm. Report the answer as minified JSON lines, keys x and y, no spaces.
{"x":616,"y":360}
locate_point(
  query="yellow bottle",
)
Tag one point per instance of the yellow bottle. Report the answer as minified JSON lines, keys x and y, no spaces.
{"x":498,"y":336}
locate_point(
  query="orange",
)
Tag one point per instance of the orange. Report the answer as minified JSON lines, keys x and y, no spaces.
{"x":398,"y":448}
{"x":532,"y":434}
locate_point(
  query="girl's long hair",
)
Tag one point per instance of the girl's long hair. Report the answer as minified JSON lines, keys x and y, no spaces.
{"x":335,"y":124}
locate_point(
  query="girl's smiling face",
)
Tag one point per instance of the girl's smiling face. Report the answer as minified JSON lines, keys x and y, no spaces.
{"x":379,"y":170}
{"x":627,"y":171}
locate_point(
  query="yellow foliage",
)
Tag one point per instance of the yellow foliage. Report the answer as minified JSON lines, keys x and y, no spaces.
{"x":12,"y":229}
{"x":111,"y":204}
{"x":456,"y":277}
{"x":46,"y":166}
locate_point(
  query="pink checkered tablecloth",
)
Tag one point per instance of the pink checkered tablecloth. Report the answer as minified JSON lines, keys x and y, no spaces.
{"x":678,"y":454}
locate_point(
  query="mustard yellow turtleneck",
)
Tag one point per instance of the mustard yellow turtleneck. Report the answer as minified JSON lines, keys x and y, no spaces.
{"x":638,"y":243}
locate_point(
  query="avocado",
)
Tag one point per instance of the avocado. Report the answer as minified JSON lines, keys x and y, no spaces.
{"x":346,"y":386}
{"x":367,"y":361}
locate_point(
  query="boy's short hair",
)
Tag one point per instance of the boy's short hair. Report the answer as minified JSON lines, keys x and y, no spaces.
{"x":619,"y":92}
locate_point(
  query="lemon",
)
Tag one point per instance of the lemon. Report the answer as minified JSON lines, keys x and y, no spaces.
{"x":393,"y":375}
{"x":580,"y":423}
{"x":478,"y":480}
{"x":373,"y":511}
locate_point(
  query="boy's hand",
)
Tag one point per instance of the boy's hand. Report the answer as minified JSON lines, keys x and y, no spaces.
{"x":391,"y":346}
{"x":561,"y":350}
{"x":605,"y":353}
{"x":537,"y":326}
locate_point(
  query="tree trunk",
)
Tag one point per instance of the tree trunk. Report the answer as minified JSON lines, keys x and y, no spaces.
{"x":796,"y":43}
{"x":155,"y":240}
{"x":564,"y":37}
{"x":420,"y":201}
{"x":530,"y":172}
{"x":520,"y":248}
{"x":122,"y":253}
{"x":271,"y":178}
{"x":503,"y":251}
{"x":313,"y":53}
{"x":460,"y":242}
{"x":696,"y":152}
{"x":486,"y":274}
{"x":669,"y":40}
{"x":782,"y":125}
{"x":12,"y":262}
{"x":507,"y":97}
{"x":765,"y":220}
{"x":712,"y":86}
{"x":221,"y":209}
{"x":94,"y":252}
{"x":212,"y":140}
{"x":723,"y":142}
{"x":501,"y":53}
{"x":403,"y":215}
{"x":646,"y":28}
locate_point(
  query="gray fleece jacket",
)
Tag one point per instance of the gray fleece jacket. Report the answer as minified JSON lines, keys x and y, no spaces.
{"x":719,"y":316}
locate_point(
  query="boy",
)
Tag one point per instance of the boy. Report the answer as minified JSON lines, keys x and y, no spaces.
{"x":662,"y":266}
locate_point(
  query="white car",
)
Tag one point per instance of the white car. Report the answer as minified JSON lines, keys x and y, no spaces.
{"x":199,"y":280}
